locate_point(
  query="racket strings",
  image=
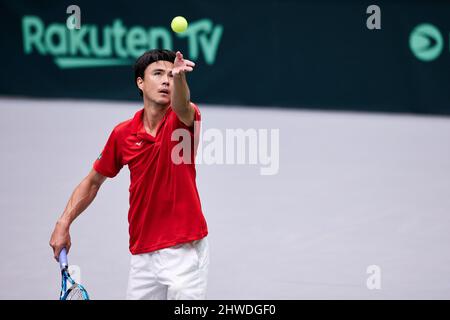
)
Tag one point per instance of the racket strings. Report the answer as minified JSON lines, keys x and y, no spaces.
{"x":75,"y":293}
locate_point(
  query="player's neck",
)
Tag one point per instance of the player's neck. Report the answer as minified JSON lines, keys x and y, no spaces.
{"x":154,"y":112}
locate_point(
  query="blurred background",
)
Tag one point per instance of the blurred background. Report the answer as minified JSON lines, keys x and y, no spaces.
{"x":359,"y":206}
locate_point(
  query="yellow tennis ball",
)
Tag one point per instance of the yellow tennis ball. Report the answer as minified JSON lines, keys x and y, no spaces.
{"x":179,"y":24}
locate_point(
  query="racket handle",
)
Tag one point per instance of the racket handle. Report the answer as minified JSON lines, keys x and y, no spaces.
{"x":63,"y":259}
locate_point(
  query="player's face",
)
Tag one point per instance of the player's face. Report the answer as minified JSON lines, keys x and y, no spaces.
{"x":157,"y":82}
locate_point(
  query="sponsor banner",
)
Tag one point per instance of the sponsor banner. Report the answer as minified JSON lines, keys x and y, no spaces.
{"x":393,"y":56}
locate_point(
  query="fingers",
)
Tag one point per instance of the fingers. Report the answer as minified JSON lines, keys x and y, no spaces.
{"x":189,"y":63}
{"x":58,"y":248}
{"x":186,"y":62}
{"x":181,"y":70}
{"x":52,"y":244}
{"x":59,"y":239}
{"x":56,"y":253}
{"x":186,"y":68}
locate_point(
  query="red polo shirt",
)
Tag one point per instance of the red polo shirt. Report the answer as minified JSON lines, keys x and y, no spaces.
{"x":165,"y":208}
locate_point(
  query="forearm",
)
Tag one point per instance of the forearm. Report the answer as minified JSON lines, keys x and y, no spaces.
{"x":180,"y":94}
{"x":80,"y":199}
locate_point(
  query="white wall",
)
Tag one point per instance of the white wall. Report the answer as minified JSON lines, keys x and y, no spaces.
{"x":353,"y":190}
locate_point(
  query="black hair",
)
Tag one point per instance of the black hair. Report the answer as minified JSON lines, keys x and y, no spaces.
{"x":148,"y":58}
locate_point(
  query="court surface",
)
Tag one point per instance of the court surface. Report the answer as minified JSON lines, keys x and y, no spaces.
{"x":353,"y":190}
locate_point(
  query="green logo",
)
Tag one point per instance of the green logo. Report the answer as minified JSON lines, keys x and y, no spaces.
{"x":99,"y":157}
{"x":115,"y":44}
{"x":426,"y":42}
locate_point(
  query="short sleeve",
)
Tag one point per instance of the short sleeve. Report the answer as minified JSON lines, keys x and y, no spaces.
{"x":109,"y":162}
{"x":197,"y":116}
{"x":194,"y":130}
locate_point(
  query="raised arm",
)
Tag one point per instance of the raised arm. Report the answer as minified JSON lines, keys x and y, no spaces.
{"x":80,"y":199}
{"x":181,"y":99}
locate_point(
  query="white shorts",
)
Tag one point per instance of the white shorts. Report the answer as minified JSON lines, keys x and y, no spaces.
{"x":175,"y":273}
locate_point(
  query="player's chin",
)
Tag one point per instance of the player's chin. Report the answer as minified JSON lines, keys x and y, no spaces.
{"x":163,"y":100}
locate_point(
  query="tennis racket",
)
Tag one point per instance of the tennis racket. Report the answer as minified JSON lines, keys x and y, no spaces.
{"x":76,"y":291}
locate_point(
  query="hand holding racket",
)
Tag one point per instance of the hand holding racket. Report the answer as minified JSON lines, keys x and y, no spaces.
{"x":76,"y":291}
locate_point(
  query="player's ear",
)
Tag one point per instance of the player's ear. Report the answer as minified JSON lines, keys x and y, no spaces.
{"x":140,"y":83}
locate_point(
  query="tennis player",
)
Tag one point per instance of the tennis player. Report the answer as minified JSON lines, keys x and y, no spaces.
{"x":170,"y":253}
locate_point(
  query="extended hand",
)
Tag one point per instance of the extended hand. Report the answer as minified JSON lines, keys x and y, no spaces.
{"x":181,"y":66}
{"x":60,"y":239}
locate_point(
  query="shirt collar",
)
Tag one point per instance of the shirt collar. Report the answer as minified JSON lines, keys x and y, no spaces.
{"x":137,"y":121}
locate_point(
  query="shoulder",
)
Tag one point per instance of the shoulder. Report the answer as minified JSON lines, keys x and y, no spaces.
{"x":124,"y":128}
{"x":193,"y":105}
{"x":197,"y":113}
